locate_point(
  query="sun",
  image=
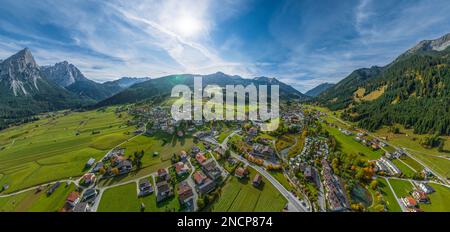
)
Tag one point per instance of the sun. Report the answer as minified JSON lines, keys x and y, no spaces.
{"x":188,"y":26}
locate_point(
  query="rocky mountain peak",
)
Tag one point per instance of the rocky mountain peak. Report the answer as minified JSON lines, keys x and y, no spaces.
{"x":63,"y":73}
{"x":20,"y":72}
{"x":439,"y":44}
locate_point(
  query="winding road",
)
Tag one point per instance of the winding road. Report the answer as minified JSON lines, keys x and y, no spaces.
{"x":293,"y":201}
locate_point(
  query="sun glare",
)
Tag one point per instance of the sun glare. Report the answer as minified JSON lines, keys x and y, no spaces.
{"x":188,"y":26}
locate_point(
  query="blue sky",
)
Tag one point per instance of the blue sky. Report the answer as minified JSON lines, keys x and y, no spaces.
{"x":303,"y":43}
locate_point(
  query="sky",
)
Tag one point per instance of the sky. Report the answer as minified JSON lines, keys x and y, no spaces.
{"x":300,"y":42}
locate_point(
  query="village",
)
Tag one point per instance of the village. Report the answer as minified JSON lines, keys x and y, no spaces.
{"x":303,"y":169}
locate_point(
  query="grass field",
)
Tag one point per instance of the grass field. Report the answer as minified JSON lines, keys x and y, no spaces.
{"x":36,"y":202}
{"x":120,"y":199}
{"x":348,"y":145}
{"x":151,"y":163}
{"x":297,"y":147}
{"x":58,"y":146}
{"x":437,"y":164}
{"x":279,"y":176}
{"x":284,"y":142}
{"x":223,"y":135}
{"x":241,"y":196}
{"x":407,"y":172}
{"x":412,"y":163}
{"x":124,"y":199}
{"x":401,"y":187}
{"x":440,"y":200}
{"x":388,"y":196}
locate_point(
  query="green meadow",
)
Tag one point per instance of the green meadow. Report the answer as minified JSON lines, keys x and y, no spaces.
{"x":388,"y":196}
{"x":58,"y":146}
{"x":30,"y":201}
{"x":439,"y":200}
{"x":348,"y":145}
{"x":401,"y":187}
{"x":406,"y":171}
{"x":164,"y":144}
{"x":124,"y":199}
{"x":241,"y":196}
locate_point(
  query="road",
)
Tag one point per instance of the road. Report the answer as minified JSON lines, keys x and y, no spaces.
{"x":321,"y":195}
{"x":191,"y":183}
{"x":294,"y":201}
{"x":402,"y":206}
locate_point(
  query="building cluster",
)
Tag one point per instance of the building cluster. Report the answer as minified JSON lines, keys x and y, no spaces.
{"x":76,"y":202}
{"x":373,"y":143}
{"x":313,"y":148}
{"x":161,"y":120}
{"x":209,"y":174}
{"x":335,"y":193}
{"x":262,"y":151}
{"x":418,"y":195}
{"x":387,"y":166}
{"x":164,"y":189}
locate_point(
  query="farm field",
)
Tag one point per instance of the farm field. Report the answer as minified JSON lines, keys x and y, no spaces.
{"x":410,"y":140}
{"x":30,"y":201}
{"x":407,"y":171}
{"x":401,"y":187}
{"x":240,"y":196}
{"x":120,"y":199}
{"x":348,"y":145}
{"x":124,"y":199}
{"x":388,"y":196}
{"x":437,"y":164}
{"x":57,"y":146}
{"x":412,"y":163}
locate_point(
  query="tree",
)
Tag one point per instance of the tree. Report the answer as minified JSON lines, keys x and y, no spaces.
{"x":373,"y":184}
{"x":115,"y":171}
{"x":227,"y":154}
{"x":200,"y":203}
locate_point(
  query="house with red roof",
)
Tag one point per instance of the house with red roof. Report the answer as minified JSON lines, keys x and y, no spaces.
{"x":200,"y":157}
{"x":199,"y":177}
{"x":181,"y":168}
{"x":409,"y":202}
{"x":73,"y":199}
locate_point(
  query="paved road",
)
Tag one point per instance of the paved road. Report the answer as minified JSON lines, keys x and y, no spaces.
{"x":294,"y":201}
{"x":190,"y":181}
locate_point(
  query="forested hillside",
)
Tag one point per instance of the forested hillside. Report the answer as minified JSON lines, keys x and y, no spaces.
{"x":413,"y":91}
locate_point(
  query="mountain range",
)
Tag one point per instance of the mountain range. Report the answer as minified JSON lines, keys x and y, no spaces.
{"x":161,"y":87}
{"x":413,"y":90}
{"x":318,"y":89}
{"x":27,"y":89}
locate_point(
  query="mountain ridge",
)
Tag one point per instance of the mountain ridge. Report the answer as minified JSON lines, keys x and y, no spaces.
{"x":314,"y":92}
{"x":412,"y":90}
{"x":162,"y":87}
